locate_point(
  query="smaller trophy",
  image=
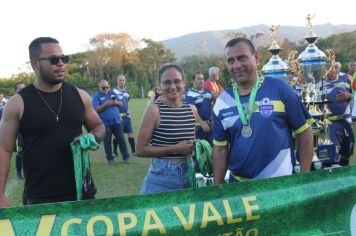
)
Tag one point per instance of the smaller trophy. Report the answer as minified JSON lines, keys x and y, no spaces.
{"x":276,"y":67}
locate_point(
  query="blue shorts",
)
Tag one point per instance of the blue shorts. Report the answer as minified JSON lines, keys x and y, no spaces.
{"x":126,"y":124}
{"x":341,"y":135}
{"x":165,"y":176}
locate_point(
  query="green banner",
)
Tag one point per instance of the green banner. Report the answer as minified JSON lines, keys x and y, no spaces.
{"x":317,"y":203}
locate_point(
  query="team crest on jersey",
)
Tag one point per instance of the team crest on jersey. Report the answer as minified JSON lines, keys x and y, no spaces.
{"x":265,"y":107}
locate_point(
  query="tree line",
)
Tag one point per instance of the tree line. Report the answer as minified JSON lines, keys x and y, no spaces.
{"x":111,"y":54}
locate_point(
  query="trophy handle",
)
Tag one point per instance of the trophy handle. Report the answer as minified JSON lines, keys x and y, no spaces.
{"x":295,"y":66}
{"x":330,"y":56}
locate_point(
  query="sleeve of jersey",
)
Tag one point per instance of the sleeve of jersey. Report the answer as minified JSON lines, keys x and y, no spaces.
{"x":219,"y":133}
{"x":297,"y":115}
{"x":189,"y":99}
{"x":349,"y":86}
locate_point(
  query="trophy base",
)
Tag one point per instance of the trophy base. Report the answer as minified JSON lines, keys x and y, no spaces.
{"x":327,"y":154}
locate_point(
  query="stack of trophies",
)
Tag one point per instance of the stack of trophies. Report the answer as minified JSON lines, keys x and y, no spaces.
{"x":306,"y":76}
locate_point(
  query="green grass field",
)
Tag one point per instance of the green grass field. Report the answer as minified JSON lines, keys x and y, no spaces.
{"x":111,"y":181}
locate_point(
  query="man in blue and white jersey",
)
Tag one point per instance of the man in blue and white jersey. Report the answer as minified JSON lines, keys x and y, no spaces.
{"x":339,"y":93}
{"x":122,"y":91}
{"x":253,"y":121}
{"x":202,"y":99}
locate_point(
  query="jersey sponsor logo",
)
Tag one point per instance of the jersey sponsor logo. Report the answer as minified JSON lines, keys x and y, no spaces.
{"x":265,"y":107}
{"x":227,"y":114}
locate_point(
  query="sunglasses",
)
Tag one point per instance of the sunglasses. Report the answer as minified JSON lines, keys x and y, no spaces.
{"x":105,"y":88}
{"x":55,"y":59}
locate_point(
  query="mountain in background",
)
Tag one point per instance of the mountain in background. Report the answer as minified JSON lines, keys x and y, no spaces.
{"x":213,"y":42}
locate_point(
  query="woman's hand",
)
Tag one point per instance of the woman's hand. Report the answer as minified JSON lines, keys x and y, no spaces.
{"x":184,"y":147}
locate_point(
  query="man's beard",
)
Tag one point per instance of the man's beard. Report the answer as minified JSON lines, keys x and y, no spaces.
{"x":49,"y":77}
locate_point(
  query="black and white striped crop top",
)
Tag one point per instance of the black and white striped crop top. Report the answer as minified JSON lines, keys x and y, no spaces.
{"x":176,"y":124}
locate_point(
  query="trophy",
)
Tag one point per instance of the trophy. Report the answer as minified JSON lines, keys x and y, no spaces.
{"x":327,"y":150}
{"x":276,"y":67}
{"x":312,"y":65}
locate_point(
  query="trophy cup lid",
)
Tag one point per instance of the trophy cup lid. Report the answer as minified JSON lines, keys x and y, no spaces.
{"x":312,"y":54}
{"x":275,"y":67}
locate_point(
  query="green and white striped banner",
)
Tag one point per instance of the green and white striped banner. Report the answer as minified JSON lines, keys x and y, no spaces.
{"x":317,"y":203}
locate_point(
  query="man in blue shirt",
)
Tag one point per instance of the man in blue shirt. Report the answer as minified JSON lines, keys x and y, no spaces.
{"x":202,"y":99}
{"x":339,"y":93}
{"x":253,"y":122}
{"x":107,"y":103}
{"x":122,"y":91}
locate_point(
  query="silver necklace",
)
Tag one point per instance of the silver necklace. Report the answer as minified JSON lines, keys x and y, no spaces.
{"x":49,"y":107}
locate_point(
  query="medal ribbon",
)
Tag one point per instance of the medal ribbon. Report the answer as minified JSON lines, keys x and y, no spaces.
{"x":246,"y":116}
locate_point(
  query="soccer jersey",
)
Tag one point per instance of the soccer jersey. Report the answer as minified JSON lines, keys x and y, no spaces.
{"x":124,"y":97}
{"x":268,"y":152}
{"x":298,"y":90}
{"x":212,"y":85}
{"x":340,"y":129}
{"x":202,"y":100}
{"x":342,"y":84}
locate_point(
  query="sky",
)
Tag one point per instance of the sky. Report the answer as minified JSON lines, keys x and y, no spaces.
{"x":74,"y":22}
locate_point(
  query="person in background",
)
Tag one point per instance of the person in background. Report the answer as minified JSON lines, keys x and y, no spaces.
{"x":166,"y":134}
{"x":338,"y":69}
{"x":151,"y":95}
{"x":3,"y":100}
{"x":157,"y":90}
{"x":339,"y":93}
{"x":122,"y":91}
{"x":49,"y":113}
{"x":154,"y":94}
{"x":19,"y":144}
{"x":107,"y":103}
{"x":2,"y":104}
{"x":212,"y":83}
{"x":201,"y":98}
{"x":253,"y":122}
{"x":352,"y":70}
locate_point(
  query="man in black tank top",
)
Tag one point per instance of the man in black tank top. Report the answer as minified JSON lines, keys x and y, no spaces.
{"x":49,"y":114}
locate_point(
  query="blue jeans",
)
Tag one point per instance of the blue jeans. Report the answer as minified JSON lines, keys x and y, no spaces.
{"x":115,"y":130}
{"x":164,"y":176}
